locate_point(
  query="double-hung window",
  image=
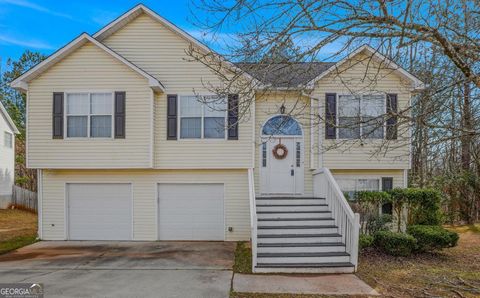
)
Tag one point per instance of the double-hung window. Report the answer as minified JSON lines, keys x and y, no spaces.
{"x":89,"y":115}
{"x":361,"y":116}
{"x":351,"y":186}
{"x":8,"y":139}
{"x":202,"y":117}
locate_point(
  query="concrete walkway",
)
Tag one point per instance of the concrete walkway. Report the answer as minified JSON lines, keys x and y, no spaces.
{"x":340,"y":284}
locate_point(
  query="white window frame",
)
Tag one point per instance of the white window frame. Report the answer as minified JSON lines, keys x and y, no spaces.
{"x":88,"y":137}
{"x":10,"y":135}
{"x":361,"y":124}
{"x":202,"y":121}
{"x":357,"y":178}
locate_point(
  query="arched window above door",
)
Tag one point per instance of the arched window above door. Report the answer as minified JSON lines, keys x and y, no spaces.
{"x":282,"y":125}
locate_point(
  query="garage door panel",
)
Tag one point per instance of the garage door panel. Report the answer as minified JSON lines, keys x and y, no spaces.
{"x":99,"y":211}
{"x":191,"y":212}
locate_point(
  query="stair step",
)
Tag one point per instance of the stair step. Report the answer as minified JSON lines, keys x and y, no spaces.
{"x":288,"y":198}
{"x":303,"y":257}
{"x":281,"y":208}
{"x":299,"y":238}
{"x":305,"y":265}
{"x":296,"y":244}
{"x":296,"y":227}
{"x":286,"y":212}
{"x":300,"y":247}
{"x":283,"y":201}
{"x":318,"y":221}
{"x":296,"y":219}
{"x":290,"y":205}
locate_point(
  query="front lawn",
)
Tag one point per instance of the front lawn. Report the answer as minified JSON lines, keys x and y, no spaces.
{"x":17,"y":228}
{"x":452,"y":272}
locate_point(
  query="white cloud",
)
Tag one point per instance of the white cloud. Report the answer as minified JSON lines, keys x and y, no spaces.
{"x":31,"y":5}
{"x":34,"y":44}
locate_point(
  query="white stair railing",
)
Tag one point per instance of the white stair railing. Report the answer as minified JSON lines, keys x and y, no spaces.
{"x":325,"y":186}
{"x":253,"y":217}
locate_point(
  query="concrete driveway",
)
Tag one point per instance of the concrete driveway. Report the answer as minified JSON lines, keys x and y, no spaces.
{"x":123,"y":269}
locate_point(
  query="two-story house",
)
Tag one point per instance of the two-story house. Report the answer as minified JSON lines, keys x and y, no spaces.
{"x":8,"y":130}
{"x":127,"y":149}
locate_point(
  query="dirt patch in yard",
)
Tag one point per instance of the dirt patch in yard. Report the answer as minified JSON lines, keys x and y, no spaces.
{"x":453,"y":272}
{"x":17,"y":228}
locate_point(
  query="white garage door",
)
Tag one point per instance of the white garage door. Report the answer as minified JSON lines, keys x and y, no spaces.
{"x":190,"y":212}
{"x":99,"y":211}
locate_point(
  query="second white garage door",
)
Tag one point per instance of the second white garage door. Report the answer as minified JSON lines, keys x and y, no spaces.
{"x":99,"y":211}
{"x":191,"y":212}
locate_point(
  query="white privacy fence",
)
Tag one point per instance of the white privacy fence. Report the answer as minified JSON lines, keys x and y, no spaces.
{"x":24,"y":198}
{"x":348,"y":222}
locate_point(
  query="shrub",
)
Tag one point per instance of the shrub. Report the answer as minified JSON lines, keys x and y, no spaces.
{"x":395,"y":244}
{"x":378,"y":223}
{"x":424,"y":206}
{"x":365,"y":241}
{"x":432,"y":237}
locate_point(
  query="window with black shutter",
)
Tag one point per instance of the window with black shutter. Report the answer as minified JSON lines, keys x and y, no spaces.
{"x":330,"y":115}
{"x":57,"y":119}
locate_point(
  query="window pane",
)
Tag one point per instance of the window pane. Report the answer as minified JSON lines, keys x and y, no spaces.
{"x":348,"y":106}
{"x":78,"y":104}
{"x":373,"y":105}
{"x":190,"y":107}
{"x":214,"y":128}
{"x":215,"y":106}
{"x":298,"y":154}
{"x":101,"y":103}
{"x":282,"y":125}
{"x":190,"y":128}
{"x":348,"y":128}
{"x":372,"y":128}
{"x":101,"y":126}
{"x":8,"y":138}
{"x":368,"y":184}
{"x":264,"y":154}
{"x":77,"y":126}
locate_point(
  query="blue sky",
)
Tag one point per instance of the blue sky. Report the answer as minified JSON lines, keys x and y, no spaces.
{"x":46,"y":25}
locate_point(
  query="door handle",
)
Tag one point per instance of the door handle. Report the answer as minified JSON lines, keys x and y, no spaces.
{"x":292,"y":172}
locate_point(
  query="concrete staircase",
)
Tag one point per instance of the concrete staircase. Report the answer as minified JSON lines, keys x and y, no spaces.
{"x":299,"y":235}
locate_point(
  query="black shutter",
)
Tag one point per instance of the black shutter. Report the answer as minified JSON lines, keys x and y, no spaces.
{"x":233,"y":116}
{"x":120,"y":114}
{"x":330,"y":115}
{"x":387,"y":184}
{"x":57,"y":116}
{"x":392,"y":120}
{"x":172,"y":117}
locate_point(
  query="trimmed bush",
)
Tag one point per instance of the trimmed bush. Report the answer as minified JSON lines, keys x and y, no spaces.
{"x":432,"y":237}
{"x":424,"y":206}
{"x":365,"y":241}
{"x":395,"y":244}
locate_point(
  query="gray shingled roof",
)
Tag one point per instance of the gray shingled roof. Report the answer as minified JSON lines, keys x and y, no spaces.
{"x":285,"y":74}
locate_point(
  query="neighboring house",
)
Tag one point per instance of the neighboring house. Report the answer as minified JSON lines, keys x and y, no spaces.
{"x":7,"y":156}
{"x":125,"y":151}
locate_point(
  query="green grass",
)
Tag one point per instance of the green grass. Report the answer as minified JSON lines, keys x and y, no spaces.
{"x":17,"y":242}
{"x":243,"y":258}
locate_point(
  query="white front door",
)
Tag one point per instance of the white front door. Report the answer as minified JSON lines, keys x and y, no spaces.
{"x":282,"y":175}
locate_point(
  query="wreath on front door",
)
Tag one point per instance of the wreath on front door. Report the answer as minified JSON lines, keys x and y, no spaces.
{"x":280,"y":151}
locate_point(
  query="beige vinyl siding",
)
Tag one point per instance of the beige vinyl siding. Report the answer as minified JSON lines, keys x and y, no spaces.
{"x":349,"y":154}
{"x":397,"y":175}
{"x":162,"y":53}
{"x":268,"y":105}
{"x":145,"y":197}
{"x":7,"y":162}
{"x":196,"y":153}
{"x":89,"y":69}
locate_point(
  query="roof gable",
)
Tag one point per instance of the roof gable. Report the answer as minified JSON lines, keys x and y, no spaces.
{"x":21,"y":83}
{"x":416,"y":83}
{"x":9,"y":120}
